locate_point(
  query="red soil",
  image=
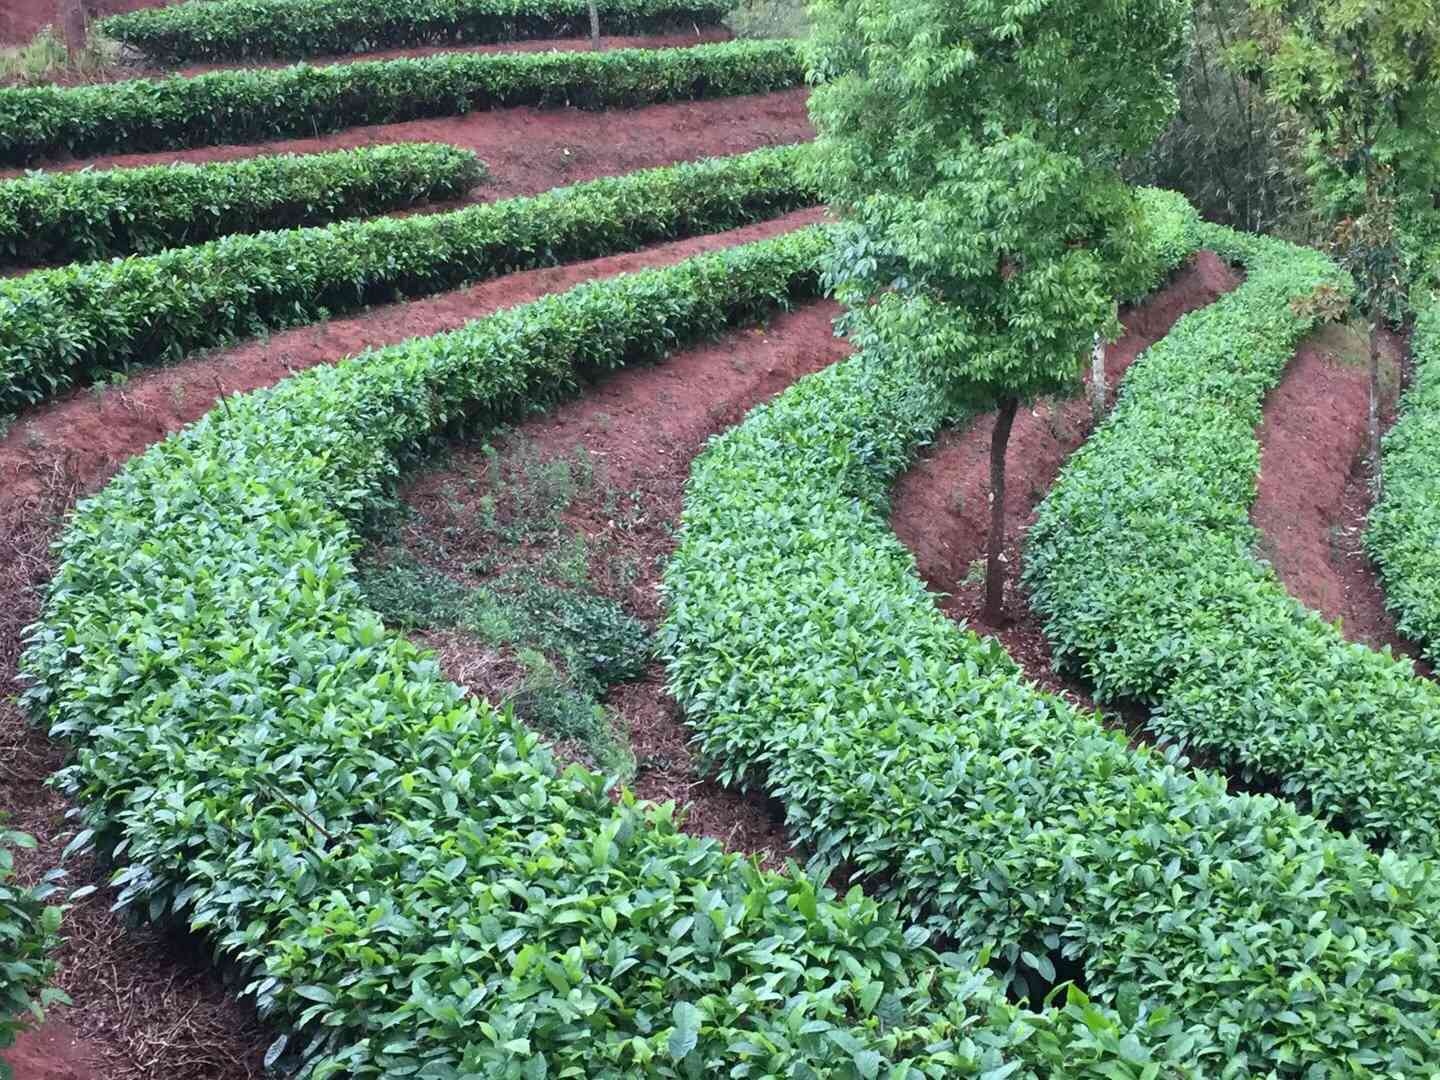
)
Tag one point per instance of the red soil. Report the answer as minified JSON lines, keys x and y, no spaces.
{"x":643,"y":426}
{"x":529,"y":150}
{"x":22,"y":19}
{"x":51,"y":1052}
{"x":1313,"y":489}
{"x":940,"y":506}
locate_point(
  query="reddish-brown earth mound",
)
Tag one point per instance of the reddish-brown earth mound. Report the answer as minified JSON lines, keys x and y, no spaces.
{"x":1313,"y":485}
{"x":940,"y":507}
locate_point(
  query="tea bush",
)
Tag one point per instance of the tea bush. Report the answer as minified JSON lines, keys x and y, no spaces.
{"x":27,"y":935}
{"x":301,"y":101}
{"x":405,"y":881}
{"x":293,"y":29}
{"x":65,"y":326}
{"x":813,"y":663}
{"x":1142,"y":564}
{"x":1404,"y":526}
{"x":68,"y":216}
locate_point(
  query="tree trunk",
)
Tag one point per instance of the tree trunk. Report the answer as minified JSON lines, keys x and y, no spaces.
{"x":74,"y":24}
{"x":994,"y":568}
{"x":1374,"y":447}
{"x":594,"y":26}
{"x":1097,"y":380}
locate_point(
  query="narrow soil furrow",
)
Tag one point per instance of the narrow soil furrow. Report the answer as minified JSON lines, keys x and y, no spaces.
{"x":641,"y":427}
{"x":527,"y":150}
{"x":144,"y":1006}
{"x":940,"y":507}
{"x":1314,"y":490}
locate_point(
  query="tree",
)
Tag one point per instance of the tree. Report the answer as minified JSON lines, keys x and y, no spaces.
{"x":594,"y":25}
{"x":1363,"y":76}
{"x":972,"y":147}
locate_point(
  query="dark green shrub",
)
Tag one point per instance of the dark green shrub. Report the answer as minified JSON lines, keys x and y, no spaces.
{"x":69,"y":216}
{"x":294,"y":29}
{"x":1404,"y":526}
{"x":295,"y":102}
{"x":66,"y":326}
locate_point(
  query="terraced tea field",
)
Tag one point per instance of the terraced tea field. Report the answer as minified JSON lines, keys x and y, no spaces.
{"x":468,"y":613}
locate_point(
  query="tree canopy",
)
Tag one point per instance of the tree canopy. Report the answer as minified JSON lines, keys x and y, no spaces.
{"x":973,"y":148}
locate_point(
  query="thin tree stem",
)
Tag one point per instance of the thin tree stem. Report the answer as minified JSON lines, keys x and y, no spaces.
{"x":1375,"y":406}
{"x":994,"y":567}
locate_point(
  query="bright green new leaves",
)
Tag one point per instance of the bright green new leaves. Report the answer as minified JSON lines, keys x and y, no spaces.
{"x":972,"y":147}
{"x":294,"y":29}
{"x":66,"y":216}
{"x":27,"y":935}
{"x":411,"y":884}
{"x":296,"y":102}
{"x":63,"y":327}
{"x":813,"y":663}
{"x":1404,"y":533}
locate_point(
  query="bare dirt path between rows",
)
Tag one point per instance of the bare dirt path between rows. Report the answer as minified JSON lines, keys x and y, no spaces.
{"x":144,"y":1008}
{"x":644,"y":426}
{"x":1314,"y":491}
{"x":940,"y":507}
{"x":527,"y":150}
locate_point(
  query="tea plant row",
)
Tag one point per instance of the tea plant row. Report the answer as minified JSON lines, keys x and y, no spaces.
{"x":813,"y":664}
{"x":68,"y":325}
{"x":67,"y":216}
{"x":1142,"y":562}
{"x":294,"y":29}
{"x":1404,"y":533}
{"x":404,"y":880}
{"x":301,"y":101}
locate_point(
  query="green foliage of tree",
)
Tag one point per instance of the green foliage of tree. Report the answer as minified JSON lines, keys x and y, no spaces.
{"x":1364,"y":79}
{"x":1229,"y":150}
{"x":973,"y":148}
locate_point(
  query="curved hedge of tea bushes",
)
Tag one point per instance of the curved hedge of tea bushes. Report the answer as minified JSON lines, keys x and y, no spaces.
{"x":1404,"y":526}
{"x":68,"y":216}
{"x":246,"y":106}
{"x":812,"y":662}
{"x":27,"y":936}
{"x":1141,"y":564}
{"x":409,"y":883}
{"x":294,"y":29}
{"x":65,"y":326}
